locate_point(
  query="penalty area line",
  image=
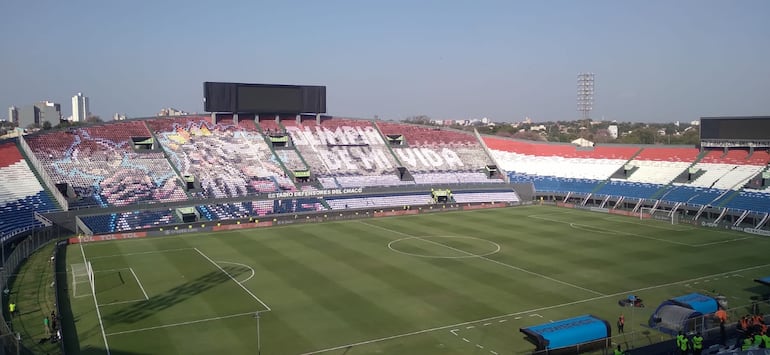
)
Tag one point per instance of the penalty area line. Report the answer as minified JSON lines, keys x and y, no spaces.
{"x":234,"y":280}
{"x":180,"y":324}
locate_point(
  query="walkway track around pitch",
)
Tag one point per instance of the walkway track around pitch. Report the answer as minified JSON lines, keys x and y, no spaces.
{"x":477,"y":256}
{"x":590,"y":228}
{"x":500,"y":317}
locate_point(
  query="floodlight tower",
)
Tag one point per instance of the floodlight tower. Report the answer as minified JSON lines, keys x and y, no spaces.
{"x":585,"y":94}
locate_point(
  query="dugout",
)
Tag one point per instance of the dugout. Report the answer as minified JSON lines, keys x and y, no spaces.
{"x":765,"y":281}
{"x":683,"y":313}
{"x":440,"y":195}
{"x":570,"y":335}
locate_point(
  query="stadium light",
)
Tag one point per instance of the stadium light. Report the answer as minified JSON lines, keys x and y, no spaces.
{"x":585,"y":94}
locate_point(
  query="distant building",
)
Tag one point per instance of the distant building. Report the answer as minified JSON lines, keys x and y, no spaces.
{"x":80,"y":109}
{"x":613,"y":129}
{"x":119,"y":116}
{"x":39,"y":113}
{"x":13,"y":115}
{"x":172,"y":112}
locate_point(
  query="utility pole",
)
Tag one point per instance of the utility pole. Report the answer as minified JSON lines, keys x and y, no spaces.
{"x":259,"y":341}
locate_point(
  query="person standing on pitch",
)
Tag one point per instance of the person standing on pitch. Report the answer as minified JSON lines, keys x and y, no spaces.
{"x":621,"y":324}
{"x":618,"y":351}
{"x":47,"y":325}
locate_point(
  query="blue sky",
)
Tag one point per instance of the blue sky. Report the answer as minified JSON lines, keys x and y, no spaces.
{"x":655,"y":61}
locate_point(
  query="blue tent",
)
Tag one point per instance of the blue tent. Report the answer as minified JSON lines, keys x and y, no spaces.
{"x":568,"y":332}
{"x":677,"y":314}
{"x":764,"y":280}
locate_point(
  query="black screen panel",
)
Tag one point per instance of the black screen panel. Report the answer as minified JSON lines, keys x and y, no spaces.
{"x":738,"y":128}
{"x":219,"y":97}
{"x":252,"y":98}
{"x":263,"y":98}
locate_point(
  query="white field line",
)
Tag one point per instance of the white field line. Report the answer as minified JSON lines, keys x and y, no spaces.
{"x":140,"y":284}
{"x":244,"y":265}
{"x":180,"y":324}
{"x":110,"y":270}
{"x":722,"y":242}
{"x":96,"y":304}
{"x":460,"y":325}
{"x":609,"y":231}
{"x":538,"y":216}
{"x":488,"y":259}
{"x":140,"y":253}
{"x":234,"y":280}
{"x":122,"y":302}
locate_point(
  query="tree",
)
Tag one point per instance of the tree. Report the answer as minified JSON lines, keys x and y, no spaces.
{"x":46,"y":125}
{"x":419,"y":119}
{"x":94,"y":119}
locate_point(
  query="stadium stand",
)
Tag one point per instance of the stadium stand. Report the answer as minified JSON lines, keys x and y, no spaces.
{"x":563,"y":161}
{"x":656,"y":171}
{"x":20,"y":193}
{"x":725,"y":176}
{"x":678,"y":154}
{"x":629,"y":189}
{"x":269,"y":125}
{"x":128,"y":221}
{"x":226,"y":211}
{"x":433,"y":155}
{"x":379,"y":201}
{"x":291,"y":159}
{"x":99,"y":163}
{"x":485,"y":196}
{"x":554,"y":184}
{"x":692,"y":195}
{"x":750,"y":200}
{"x":344,"y":152}
{"x":228,"y":160}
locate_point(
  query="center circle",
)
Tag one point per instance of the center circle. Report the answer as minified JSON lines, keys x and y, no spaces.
{"x":488,"y":246}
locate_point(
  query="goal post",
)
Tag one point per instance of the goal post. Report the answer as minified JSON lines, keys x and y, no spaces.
{"x":659,"y":215}
{"x":83,"y":278}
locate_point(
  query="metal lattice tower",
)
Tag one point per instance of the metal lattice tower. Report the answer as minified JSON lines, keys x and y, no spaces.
{"x":585,"y":94}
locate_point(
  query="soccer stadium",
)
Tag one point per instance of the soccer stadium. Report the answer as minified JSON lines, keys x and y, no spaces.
{"x":269,"y":226}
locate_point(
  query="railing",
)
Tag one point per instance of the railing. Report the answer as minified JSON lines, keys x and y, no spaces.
{"x":9,"y":340}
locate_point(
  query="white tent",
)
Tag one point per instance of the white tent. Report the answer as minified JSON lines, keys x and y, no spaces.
{"x":582,"y":142}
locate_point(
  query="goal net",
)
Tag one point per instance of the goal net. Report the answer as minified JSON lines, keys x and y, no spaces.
{"x":82,"y":280}
{"x":659,"y":215}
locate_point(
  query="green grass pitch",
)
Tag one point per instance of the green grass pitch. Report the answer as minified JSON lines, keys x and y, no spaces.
{"x":447,"y":283}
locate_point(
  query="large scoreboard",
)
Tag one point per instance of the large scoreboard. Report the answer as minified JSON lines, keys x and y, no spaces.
{"x":263,"y":98}
{"x":754,"y":128}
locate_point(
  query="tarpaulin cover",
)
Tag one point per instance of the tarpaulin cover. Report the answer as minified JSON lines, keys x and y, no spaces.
{"x":568,"y":332}
{"x":764,"y":280}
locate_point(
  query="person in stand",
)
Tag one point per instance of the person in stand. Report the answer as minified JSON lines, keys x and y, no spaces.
{"x":618,"y":351}
{"x":621,"y":324}
{"x":682,"y":343}
{"x":697,"y":344}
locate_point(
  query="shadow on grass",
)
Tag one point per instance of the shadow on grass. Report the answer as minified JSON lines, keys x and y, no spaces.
{"x":141,"y":310}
